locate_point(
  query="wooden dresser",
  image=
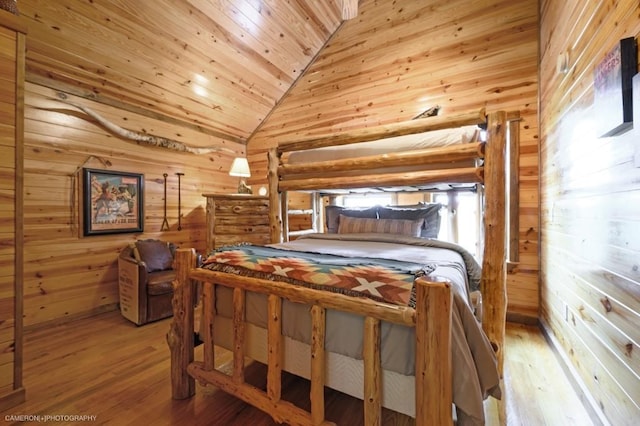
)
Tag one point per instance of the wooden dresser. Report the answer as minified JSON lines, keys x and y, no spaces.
{"x":237,"y":218}
{"x":12,"y":69}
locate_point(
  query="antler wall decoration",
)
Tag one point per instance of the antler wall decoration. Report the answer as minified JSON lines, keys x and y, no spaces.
{"x":141,"y":138}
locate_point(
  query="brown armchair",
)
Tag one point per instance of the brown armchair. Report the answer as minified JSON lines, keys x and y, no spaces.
{"x":145,"y":276}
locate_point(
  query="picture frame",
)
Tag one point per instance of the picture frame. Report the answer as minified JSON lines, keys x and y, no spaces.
{"x":613,"y":97}
{"x":112,"y":202}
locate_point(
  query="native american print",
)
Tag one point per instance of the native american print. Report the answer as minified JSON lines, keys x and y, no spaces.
{"x":385,"y":280}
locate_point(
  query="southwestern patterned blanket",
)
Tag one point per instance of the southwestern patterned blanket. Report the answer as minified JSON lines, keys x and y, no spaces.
{"x":384,"y":280}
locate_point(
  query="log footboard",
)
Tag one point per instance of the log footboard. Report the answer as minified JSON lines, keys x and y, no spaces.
{"x":431,"y":319}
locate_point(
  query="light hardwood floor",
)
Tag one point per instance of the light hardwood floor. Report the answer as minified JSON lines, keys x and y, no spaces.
{"x":106,"y":367}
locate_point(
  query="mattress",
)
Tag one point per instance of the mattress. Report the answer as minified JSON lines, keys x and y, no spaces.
{"x":475,"y":373}
{"x":432,"y":139}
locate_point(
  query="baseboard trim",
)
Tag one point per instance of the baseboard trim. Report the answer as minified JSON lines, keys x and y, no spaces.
{"x":590,"y":405}
{"x":522,"y":318}
{"x":11,"y":399}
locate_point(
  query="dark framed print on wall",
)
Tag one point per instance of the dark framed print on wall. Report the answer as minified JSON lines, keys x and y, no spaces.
{"x":613,"y":98}
{"x":112,"y":202}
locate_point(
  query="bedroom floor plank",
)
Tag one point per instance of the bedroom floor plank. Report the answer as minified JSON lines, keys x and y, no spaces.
{"x":538,"y":392}
{"x":105,"y":366}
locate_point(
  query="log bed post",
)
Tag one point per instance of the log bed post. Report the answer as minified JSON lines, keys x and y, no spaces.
{"x":372,"y":372}
{"x":434,"y":389}
{"x":318,"y":363}
{"x":239,"y":310}
{"x":180,"y":335}
{"x":493,"y":284}
{"x":208,"y":317}
{"x":275,"y":351}
{"x":275,"y":215}
{"x":284,"y":215}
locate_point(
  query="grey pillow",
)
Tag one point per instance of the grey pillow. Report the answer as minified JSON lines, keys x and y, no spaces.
{"x":332,"y":215}
{"x":429,"y":212}
{"x":357,"y":225}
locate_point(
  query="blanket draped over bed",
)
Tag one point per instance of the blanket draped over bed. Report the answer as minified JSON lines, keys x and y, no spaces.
{"x":350,"y":266}
{"x":384,"y":280}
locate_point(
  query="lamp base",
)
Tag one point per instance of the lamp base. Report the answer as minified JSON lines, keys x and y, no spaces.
{"x":243,"y":188}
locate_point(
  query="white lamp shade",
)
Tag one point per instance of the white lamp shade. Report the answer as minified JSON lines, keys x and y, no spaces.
{"x":240,"y":167}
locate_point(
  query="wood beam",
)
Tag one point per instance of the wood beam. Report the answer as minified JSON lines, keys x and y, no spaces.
{"x":494,"y":290}
{"x":460,"y":175}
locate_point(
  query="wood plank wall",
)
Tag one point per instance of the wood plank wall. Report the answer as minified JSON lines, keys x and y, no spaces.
{"x":590,"y":214}
{"x":397,"y":59}
{"x":68,"y":275}
{"x":12,"y":56}
{"x":204,"y":73}
{"x":7,"y":207}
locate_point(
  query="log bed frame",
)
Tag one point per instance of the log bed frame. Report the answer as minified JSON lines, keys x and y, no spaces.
{"x":433,"y":388}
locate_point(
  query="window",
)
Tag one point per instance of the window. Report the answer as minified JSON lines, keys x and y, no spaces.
{"x":460,"y":219}
{"x":367,"y":200}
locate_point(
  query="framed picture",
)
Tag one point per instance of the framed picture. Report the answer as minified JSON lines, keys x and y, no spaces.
{"x":613,"y":97}
{"x":112,"y":202}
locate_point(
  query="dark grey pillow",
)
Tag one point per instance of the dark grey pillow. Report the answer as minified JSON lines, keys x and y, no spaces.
{"x":332,"y":215}
{"x":429,"y":212}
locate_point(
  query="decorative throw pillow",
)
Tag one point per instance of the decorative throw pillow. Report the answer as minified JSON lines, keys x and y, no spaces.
{"x":155,"y":254}
{"x":429,"y":213}
{"x":332,"y":215}
{"x":354,"y":225}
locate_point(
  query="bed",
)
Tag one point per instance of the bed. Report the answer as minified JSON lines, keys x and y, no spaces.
{"x":439,"y":306}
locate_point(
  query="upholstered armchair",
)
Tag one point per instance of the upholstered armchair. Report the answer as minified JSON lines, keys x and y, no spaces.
{"x":145,"y":276}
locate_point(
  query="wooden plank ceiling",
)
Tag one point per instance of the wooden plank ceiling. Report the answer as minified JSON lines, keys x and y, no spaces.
{"x":245,"y":70}
{"x":398,"y":59}
{"x":216,"y":65}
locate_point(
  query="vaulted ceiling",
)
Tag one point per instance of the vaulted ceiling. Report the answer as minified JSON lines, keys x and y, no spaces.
{"x":219,"y":65}
{"x":257,"y":70}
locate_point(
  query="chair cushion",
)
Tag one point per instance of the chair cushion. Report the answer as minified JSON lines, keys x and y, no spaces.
{"x":155,"y":254}
{"x":160,"y":282}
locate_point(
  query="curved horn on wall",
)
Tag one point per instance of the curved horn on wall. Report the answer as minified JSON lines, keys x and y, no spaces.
{"x":141,"y":138}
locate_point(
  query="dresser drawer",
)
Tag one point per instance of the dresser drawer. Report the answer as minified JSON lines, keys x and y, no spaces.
{"x":241,"y":207}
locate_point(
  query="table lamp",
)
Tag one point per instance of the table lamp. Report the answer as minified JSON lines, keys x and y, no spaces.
{"x":240,"y":168}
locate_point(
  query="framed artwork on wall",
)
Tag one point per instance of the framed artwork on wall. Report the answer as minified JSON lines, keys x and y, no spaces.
{"x":612,"y":99}
{"x":112,"y":202}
